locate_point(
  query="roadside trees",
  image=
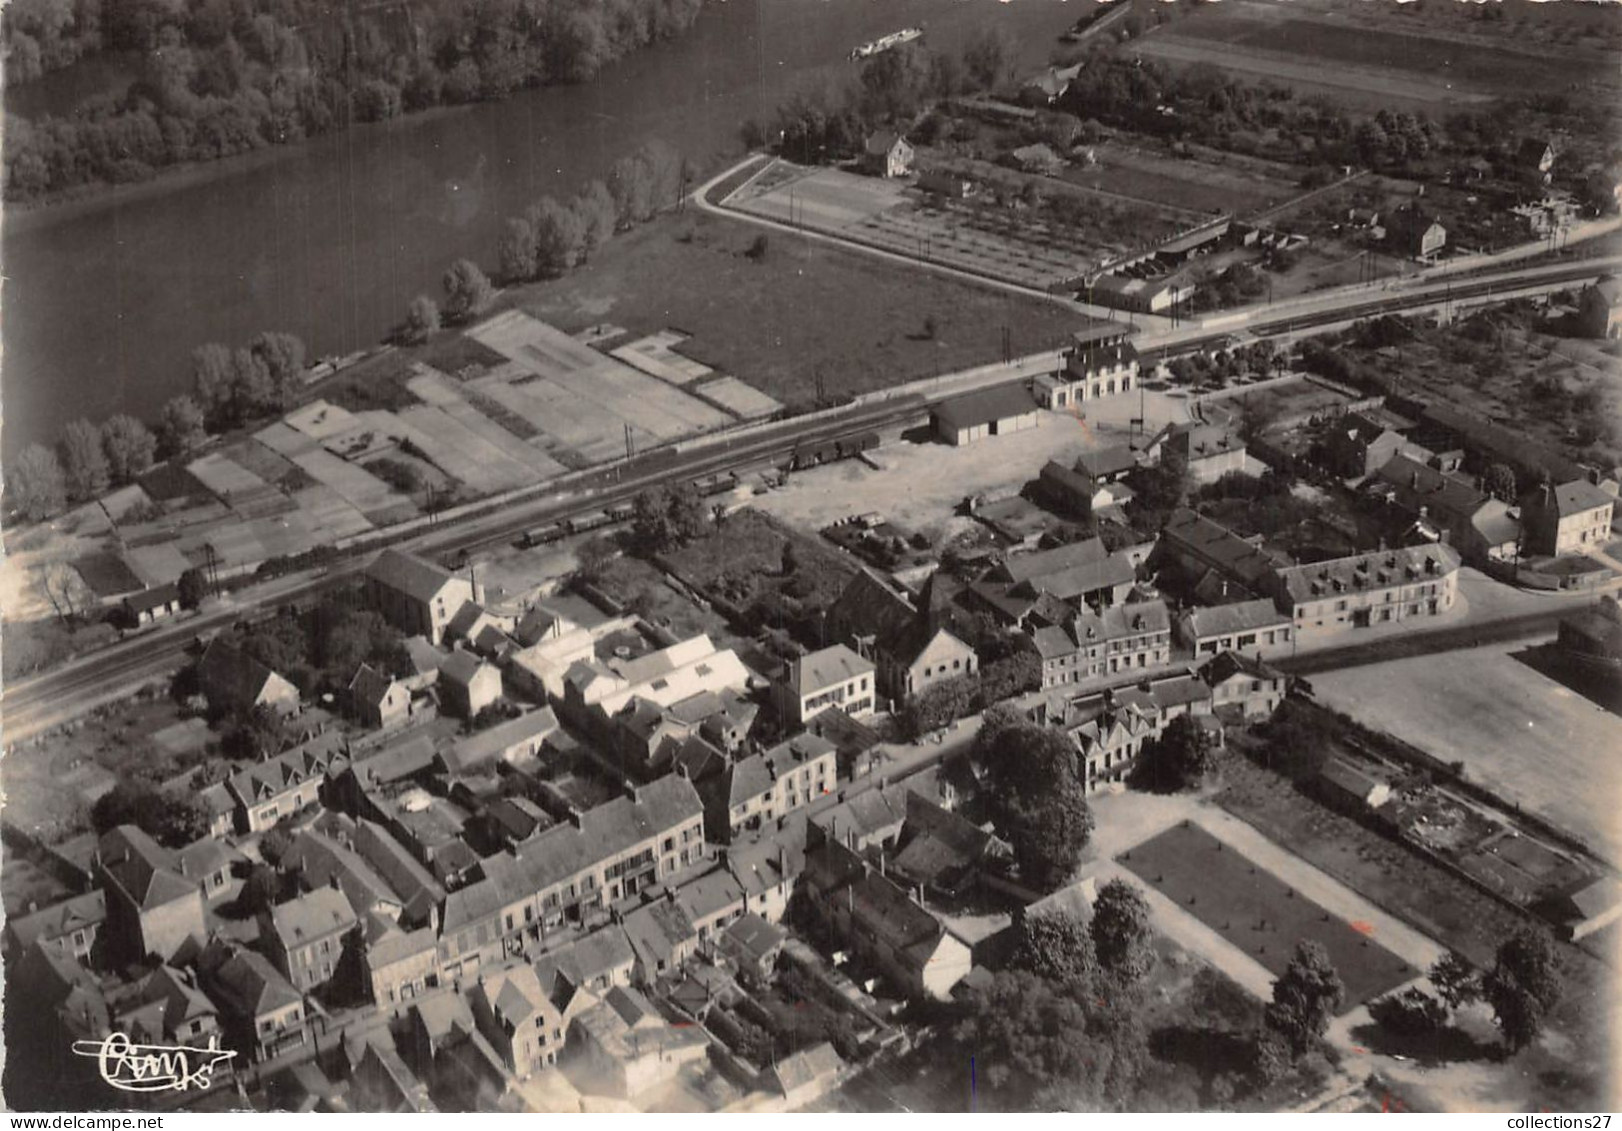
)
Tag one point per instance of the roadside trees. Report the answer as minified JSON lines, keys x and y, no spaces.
{"x":422,"y":319}
{"x":594,"y":207}
{"x":517,"y":250}
{"x":560,"y":236}
{"x":182,"y":428}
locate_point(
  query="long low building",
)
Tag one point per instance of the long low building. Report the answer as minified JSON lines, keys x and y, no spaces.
{"x":990,"y":412}
{"x":1255,"y":627}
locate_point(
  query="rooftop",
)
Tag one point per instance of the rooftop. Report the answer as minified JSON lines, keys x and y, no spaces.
{"x":409,"y":574}
{"x":817,"y":670}
{"x":997,"y":403}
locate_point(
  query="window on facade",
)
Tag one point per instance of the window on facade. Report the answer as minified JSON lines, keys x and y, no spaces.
{"x":670,"y":843}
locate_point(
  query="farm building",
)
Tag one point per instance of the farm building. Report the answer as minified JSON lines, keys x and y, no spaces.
{"x":1147,"y":296}
{"x":151,"y":605}
{"x":990,"y":412}
{"x":887,"y":154}
{"x":943,"y":182}
{"x":1349,"y":788}
{"x":1414,"y":232}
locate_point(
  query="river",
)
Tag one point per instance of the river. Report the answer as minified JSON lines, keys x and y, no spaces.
{"x":105,"y":297}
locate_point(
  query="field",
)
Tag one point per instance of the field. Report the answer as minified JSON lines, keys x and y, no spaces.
{"x":766,"y":320}
{"x":1255,"y":911}
{"x":1234,"y":184}
{"x":1012,"y":245}
{"x":1373,"y":65}
{"x":1520,"y":734}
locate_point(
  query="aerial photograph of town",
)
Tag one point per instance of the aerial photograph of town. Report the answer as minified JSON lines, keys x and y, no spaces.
{"x":827,"y":556}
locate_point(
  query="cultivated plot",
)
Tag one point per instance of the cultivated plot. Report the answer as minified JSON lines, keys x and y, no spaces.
{"x":737,"y":398}
{"x":1260,"y":914}
{"x":656,"y":356}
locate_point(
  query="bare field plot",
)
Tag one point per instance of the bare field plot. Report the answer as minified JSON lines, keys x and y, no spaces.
{"x":224,"y":477}
{"x":320,"y":420}
{"x":460,"y":452}
{"x":1239,"y":185}
{"x":1524,"y":736}
{"x":157,"y":565}
{"x":1375,"y":64}
{"x":656,"y":355}
{"x":330,"y":516}
{"x":738,"y":398}
{"x":365,"y":492}
{"x":1260,"y":914}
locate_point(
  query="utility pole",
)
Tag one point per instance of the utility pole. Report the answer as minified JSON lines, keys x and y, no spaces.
{"x":630,"y":444}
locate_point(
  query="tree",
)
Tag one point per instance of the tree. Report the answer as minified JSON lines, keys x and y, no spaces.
{"x":181,"y":429}
{"x":688,"y":518}
{"x":172,"y":820}
{"x":560,"y":236}
{"x":650,"y":521}
{"x":1413,"y":1012}
{"x":211,"y":376}
{"x":1305,"y":997}
{"x":1058,"y":946}
{"x":36,"y":487}
{"x":1121,"y":932}
{"x":252,"y":390}
{"x":989,"y":58}
{"x":594,"y":554}
{"x":1500,"y":482}
{"x":254,"y":734}
{"x":1048,"y":836}
{"x":467,"y":290}
{"x":595,"y":209}
{"x":1523,"y":985}
{"x":937,"y":706}
{"x":631,"y":185}
{"x":1180,"y":758}
{"x":129,"y":447}
{"x":517,"y":250}
{"x":422,"y":319}
{"x":1032,"y":1035}
{"x":84,"y":464}
{"x":260,"y":890}
{"x":1456,"y":981}
{"x":282,"y":355}
{"x":193,"y":586}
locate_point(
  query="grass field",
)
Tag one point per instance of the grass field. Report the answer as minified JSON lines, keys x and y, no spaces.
{"x":1374,"y":64}
{"x":1261,"y":915}
{"x":1234,"y":184}
{"x":1524,"y":736}
{"x":801,"y":311}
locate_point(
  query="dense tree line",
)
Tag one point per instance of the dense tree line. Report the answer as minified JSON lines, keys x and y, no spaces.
{"x":320,"y":649}
{"x":551,"y":238}
{"x":220,"y":77}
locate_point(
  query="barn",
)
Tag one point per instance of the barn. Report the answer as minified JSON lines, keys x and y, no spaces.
{"x":990,"y":412}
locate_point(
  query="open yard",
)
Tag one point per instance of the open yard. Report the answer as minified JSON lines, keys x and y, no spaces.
{"x":1255,"y":911}
{"x":1376,"y":65}
{"x":1519,"y":733}
{"x":765,"y":319}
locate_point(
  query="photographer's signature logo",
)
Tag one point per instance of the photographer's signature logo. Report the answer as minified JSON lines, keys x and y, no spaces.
{"x":153,"y":1068}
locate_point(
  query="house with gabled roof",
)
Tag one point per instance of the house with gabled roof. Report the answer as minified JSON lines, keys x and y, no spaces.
{"x":262,"y":1014}
{"x":886,"y":153}
{"x":1246,"y":685}
{"x":753,"y":792}
{"x":325,"y":856}
{"x":516,"y":740}
{"x":306,"y":937}
{"x":625,"y":1047}
{"x":829,"y":677}
{"x":383,"y":1083}
{"x":753,"y":944}
{"x":74,"y":923}
{"x":1255,"y":626}
{"x":910,"y":646}
{"x":268,"y":791}
{"x":1089,"y":646}
{"x":804,"y":1076}
{"x":882,"y":922}
{"x":467,"y":684}
{"x":597,"y":962}
{"x":152,"y":908}
{"x":398,"y":965}
{"x":378,"y":699}
{"x":415,"y":595}
{"x":1573,"y":517}
{"x":236,"y":683}
{"x":1378,"y":587}
{"x":517,"y":1017}
{"x":662,"y":937}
